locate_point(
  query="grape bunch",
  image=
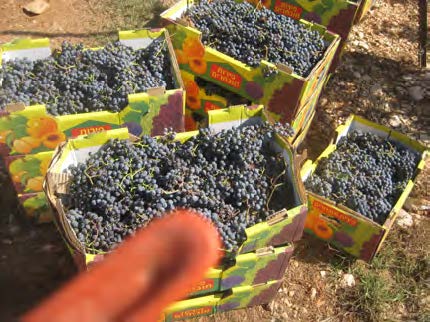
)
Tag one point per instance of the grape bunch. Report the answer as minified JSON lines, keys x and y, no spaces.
{"x":235,"y":178}
{"x":366,"y":173}
{"x":249,"y":35}
{"x":214,"y":89}
{"x":78,"y":80}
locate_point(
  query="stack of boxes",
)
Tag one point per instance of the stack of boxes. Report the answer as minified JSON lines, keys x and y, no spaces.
{"x":248,"y":276}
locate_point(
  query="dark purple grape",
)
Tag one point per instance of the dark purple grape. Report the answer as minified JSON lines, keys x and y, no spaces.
{"x":134,"y":128}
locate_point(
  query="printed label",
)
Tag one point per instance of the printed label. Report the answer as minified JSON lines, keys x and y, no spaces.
{"x":192,"y":313}
{"x":204,"y":285}
{"x":227,"y":77}
{"x":90,"y":130}
{"x":287,"y":9}
{"x":331,"y":212}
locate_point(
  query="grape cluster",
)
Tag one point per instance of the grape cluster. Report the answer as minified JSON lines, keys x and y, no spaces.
{"x":249,"y":34}
{"x":77,"y":80}
{"x":235,"y":178}
{"x":214,"y":89}
{"x":366,"y":173}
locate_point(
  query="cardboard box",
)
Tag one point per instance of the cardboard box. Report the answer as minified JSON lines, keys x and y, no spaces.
{"x":30,"y":129}
{"x":283,"y":94}
{"x":365,"y":6}
{"x":36,"y":207}
{"x":236,"y":298}
{"x":283,"y":227}
{"x":337,"y":224}
{"x":27,"y":172}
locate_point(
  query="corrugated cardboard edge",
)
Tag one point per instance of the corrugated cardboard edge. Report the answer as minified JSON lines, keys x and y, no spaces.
{"x":173,"y":60}
{"x":56,"y":183}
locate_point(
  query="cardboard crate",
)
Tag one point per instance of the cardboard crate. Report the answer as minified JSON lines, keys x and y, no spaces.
{"x":365,"y":6}
{"x":337,"y":15}
{"x":236,"y":298}
{"x":27,"y":172}
{"x":283,"y":94}
{"x":36,"y":207}
{"x":199,"y":101}
{"x":283,"y":227}
{"x":337,"y":224}
{"x":30,"y":129}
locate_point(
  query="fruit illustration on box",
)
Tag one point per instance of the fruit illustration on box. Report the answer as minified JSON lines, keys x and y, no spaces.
{"x":311,"y":219}
{"x":189,"y":50}
{"x":322,"y":229}
{"x":36,"y":207}
{"x":150,"y":115}
{"x":25,"y":135}
{"x":192,"y":90}
{"x":28,"y":172}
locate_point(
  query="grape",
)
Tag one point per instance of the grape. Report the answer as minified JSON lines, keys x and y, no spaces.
{"x":366,"y":173}
{"x":75,"y":80}
{"x":234,"y":178}
{"x":251,"y":35}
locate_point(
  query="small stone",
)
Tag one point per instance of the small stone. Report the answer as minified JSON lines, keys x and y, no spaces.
{"x":7,"y":241}
{"x":416,"y":93}
{"x":284,"y":316}
{"x":425,"y":137}
{"x":287,"y":302}
{"x":14,"y":229}
{"x":360,"y":35}
{"x":48,"y":248}
{"x":304,"y":310}
{"x":376,"y":90}
{"x":366,"y":78}
{"x":323,"y":274}
{"x":395,"y":121}
{"x":364,"y":45}
{"x":272,"y":306}
{"x":291,"y":293}
{"x":425,"y":301}
{"x":313,"y":293}
{"x":36,"y":7}
{"x":356,"y":75}
{"x":408,"y":77}
{"x":417,"y":205}
{"x":404,"y":219}
{"x":323,"y":101}
{"x":348,"y":280}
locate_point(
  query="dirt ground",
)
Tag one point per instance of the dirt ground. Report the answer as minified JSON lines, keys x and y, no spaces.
{"x":378,"y":79}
